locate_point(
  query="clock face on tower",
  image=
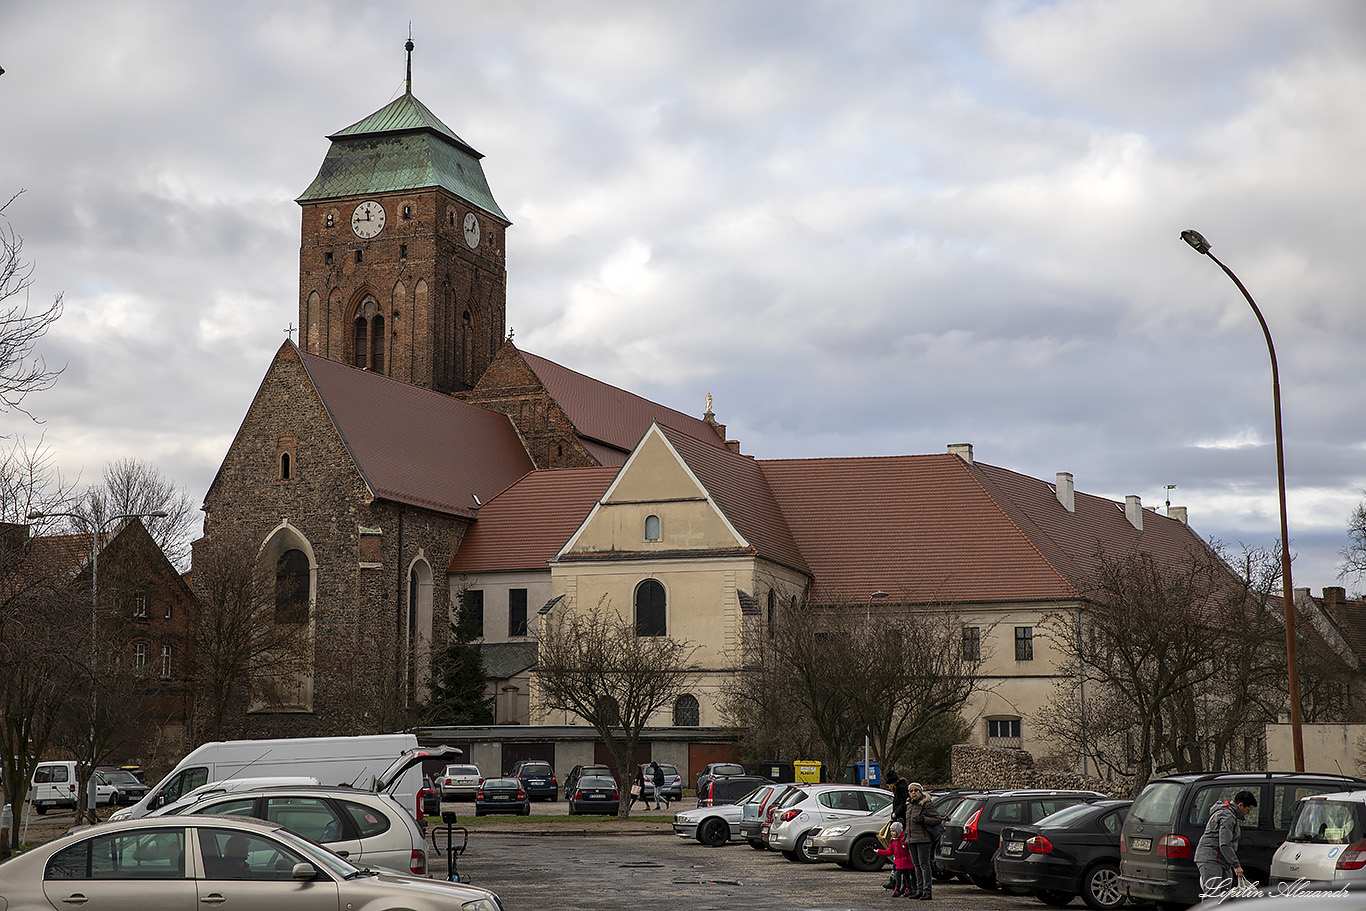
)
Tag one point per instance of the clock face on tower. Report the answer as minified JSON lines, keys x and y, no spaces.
{"x":368,"y":219}
{"x":471,"y":230}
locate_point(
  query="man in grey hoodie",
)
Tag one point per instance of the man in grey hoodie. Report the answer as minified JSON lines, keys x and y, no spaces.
{"x":1216,"y":856}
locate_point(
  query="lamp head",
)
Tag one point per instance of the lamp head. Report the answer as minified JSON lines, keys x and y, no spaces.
{"x":1196,"y":240}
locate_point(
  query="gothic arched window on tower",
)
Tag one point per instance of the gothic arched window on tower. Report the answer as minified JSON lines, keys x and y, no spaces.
{"x":291,"y":587}
{"x":362,"y":327}
{"x":650,"y":613}
{"x":369,"y":339}
{"x":377,"y":344}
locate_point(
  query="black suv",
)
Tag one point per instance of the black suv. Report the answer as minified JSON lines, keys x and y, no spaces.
{"x":538,"y":779}
{"x":972,"y":833}
{"x":718,"y":791}
{"x":1157,"y":845}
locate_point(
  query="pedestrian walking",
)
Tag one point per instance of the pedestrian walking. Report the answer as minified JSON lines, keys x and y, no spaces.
{"x":902,"y":863}
{"x":1216,"y":854}
{"x":638,"y":786}
{"x":657,"y":780}
{"x":921,"y":818}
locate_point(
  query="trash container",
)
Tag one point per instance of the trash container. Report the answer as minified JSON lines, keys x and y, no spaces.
{"x":808,"y":771}
{"x":853,"y":773}
{"x":779,"y":770}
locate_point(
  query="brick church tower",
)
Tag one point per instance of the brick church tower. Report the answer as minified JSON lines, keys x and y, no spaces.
{"x":402,"y":266}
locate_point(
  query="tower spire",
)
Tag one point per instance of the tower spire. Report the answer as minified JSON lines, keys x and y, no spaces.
{"x":408,"y":46}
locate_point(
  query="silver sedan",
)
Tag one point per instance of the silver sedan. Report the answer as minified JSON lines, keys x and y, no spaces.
{"x":187,"y":862}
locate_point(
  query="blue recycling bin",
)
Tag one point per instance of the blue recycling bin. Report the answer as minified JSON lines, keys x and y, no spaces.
{"x":854,"y":773}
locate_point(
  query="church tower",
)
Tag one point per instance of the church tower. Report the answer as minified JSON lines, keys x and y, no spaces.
{"x":402,"y":266}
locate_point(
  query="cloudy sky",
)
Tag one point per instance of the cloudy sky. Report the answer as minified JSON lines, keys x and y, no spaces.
{"x":866,"y":228}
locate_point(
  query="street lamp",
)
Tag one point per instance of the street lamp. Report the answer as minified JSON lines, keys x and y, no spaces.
{"x":868,"y":631}
{"x":1201,"y":245}
{"x":96,"y":528}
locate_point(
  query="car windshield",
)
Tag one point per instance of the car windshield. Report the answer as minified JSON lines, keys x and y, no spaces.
{"x":118,"y":776}
{"x":502,"y":783}
{"x":536,"y":768}
{"x":668,"y":770}
{"x":1157,"y":803}
{"x":965,"y":809}
{"x":596,"y":781}
{"x":461,"y":770}
{"x":1327,"y":822}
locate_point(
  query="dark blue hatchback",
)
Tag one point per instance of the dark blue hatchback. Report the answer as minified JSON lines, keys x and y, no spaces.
{"x":538,"y":778}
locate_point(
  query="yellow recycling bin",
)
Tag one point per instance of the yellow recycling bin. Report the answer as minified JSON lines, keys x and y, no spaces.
{"x":808,"y":771}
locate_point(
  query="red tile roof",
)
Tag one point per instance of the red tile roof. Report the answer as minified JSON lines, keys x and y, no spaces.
{"x":606,"y":414}
{"x":525,"y":525}
{"x":933,"y":529}
{"x":416,"y":446}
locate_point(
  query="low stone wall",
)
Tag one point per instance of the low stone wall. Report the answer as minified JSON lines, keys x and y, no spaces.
{"x":975,"y":766}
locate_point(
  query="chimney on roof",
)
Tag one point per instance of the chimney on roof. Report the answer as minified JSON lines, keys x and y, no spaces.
{"x":709,"y":418}
{"x":1333,"y":598}
{"x":1066,"y":491}
{"x":1133,"y":511}
{"x":962,"y":450}
{"x":1178,"y":513}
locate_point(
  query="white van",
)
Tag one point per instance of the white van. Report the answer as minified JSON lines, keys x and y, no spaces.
{"x":354,"y":761}
{"x":54,"y":785}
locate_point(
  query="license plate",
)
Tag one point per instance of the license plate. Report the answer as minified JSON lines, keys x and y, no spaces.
{"x":597,"y":796}
{"x":538,"y":781}
{"x":1015,"y":847}
{"x":1141,"y":844}
{"x":946,"y":850}
{"x":500,"y":797}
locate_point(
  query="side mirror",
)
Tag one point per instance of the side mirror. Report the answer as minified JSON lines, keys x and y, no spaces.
{"x":304,"y":871}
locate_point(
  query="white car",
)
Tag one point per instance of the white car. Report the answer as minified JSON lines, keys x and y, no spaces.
{"x":716,"y":825}
{"x":802,"y":811}
{"x":459,"y":781}
{"x":1326,"y":845}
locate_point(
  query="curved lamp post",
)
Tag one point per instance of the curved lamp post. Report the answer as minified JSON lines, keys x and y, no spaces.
{"x":1201,"y":245}
{"x":868,"y":631}
{"x":96,"y":528}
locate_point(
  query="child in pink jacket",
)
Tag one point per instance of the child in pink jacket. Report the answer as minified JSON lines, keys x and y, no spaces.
{"x":901,"y":860}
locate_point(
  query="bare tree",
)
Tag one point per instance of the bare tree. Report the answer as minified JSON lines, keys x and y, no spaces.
{"x":243,"y":652}
{"x":593,"y":664}
{"x":134,"y":487}
{"x":21,"y":371}
{"x":1353,"y":555}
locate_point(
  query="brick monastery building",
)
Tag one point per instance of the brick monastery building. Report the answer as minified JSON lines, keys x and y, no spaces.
{"x":406,"y":450}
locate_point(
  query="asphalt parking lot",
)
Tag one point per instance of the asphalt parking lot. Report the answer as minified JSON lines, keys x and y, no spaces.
{"x":661,"y":870}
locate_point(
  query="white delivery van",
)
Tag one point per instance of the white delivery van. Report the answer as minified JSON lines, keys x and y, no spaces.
{"x":54,"y":785}
{"x":354,"y":761}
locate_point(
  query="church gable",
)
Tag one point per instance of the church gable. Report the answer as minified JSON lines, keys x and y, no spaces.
{"x":656,"y":505}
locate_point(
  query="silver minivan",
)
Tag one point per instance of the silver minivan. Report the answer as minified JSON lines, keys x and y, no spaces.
{"x":1326,"y":844}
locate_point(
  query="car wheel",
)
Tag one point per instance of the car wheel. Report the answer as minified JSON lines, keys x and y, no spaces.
{"x":863,"y":855}
{"x":478,"y":812}
{"x":1052,"y":897}
{"x":714,"y":833}
{"x":572,"y":811}
{"x":114,"y":799}
{"x":792,"y":856}
{"x":1101,"y":888}
{"x":526,"y":809}
{"x":984,"y":882}
{"x":39,"y":809}
{"x":806,"y":853}
{"x":757,"y":844}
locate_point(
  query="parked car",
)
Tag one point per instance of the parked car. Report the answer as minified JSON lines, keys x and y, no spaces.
{"x":852,"y":843}
{"x":502,"y":795}
{"x":428,"y":800}
{"x":579,"y":771}
{"x":1169,"y":815}
{"x":752,"y":818}
{"x":720,"y":824}
{"x":719,"y":791}
{"x":1326,"y":845}
{"x":946,"y":802}
{"x":804,"y":810}
{"x":673,"y":780}
{"x":459,"y":781}
{"x":1073,"y":852}
{"x":181,"y":862}
{"x":124,"y":787}
{"x":594,"y":794}
{"x":54,"y":784}
{"x":368,"y":829}
{"x":972,"y":833}
{"x":717,"y":770}
{"x":538,"y":778}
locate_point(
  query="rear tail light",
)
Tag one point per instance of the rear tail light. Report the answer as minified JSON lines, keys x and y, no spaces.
{"x":616,"y":795}
{"x":418,"y":864}
{"x":1039,"y":845}
{"x":970,"y":830}
{"x":1353,"y":857}
{"x":479,"y":794}
{"x":1174,"y":847}
{"x":578,"y":795}
{"x":790,"y":815}
{"x":521,"y":795}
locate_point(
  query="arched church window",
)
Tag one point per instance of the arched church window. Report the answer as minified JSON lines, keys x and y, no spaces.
{"x":652,"y":528}
{"x":284,"y":466}
{"x":291,"y":587}
{"x":377,"y":344}
{"x":369,"y":337}
{"x":650,"y":613}
{"x":687,"y":712}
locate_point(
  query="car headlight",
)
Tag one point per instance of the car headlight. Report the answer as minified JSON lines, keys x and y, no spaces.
{"x":834,"y":830}
{"x":487,"y":903}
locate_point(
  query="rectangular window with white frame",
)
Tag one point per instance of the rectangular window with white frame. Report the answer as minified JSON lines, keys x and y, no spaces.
{"x":166,"y":662}
{"x":139,"y":654}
